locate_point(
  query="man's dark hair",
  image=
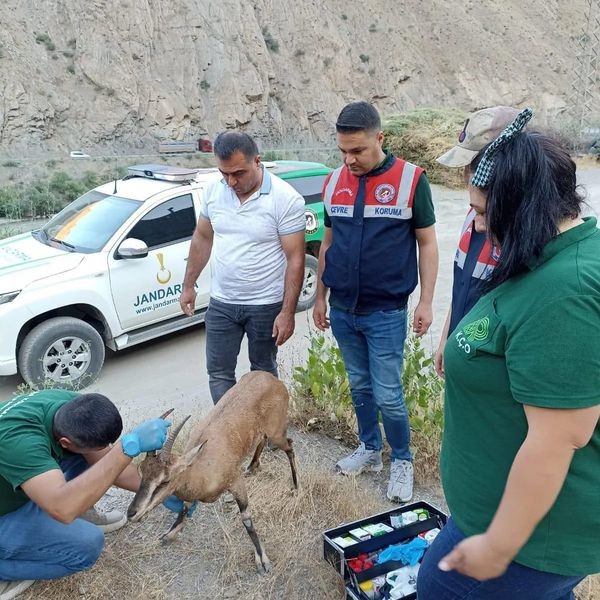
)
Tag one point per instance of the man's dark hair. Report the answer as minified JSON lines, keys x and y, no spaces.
{"x":358,"y":116}
{"x":89,"y":421}
{"x":230,"y":142}
{"x":532,"y":189}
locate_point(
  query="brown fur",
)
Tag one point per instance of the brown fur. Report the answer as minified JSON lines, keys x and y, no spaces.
{"x":254,"y":410}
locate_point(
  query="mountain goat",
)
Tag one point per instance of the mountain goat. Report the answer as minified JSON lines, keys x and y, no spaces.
{"x":251,"y":412}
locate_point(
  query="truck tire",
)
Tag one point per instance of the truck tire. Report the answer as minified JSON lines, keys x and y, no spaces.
{"x":63,"y":352}
{"x":308,"y":293}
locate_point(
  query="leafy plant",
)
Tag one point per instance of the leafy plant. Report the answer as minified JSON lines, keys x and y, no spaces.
{"x":323,"y":381}
{"x":423,"y":390}
{"x":321,"y":398}
{"x":6,"y":232}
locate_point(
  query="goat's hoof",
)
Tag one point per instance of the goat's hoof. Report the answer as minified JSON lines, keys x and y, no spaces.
{"x":263,"y":565}
{"x":172,"y":534}
{"x":252,"y":471}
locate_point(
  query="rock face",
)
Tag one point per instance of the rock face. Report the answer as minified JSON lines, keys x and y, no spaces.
{"x":122,"y":74}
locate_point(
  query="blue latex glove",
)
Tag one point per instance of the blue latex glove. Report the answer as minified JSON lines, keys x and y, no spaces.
{"x":409,"y":553}
{"x":148,"y":436}
{"x":174,"y":504}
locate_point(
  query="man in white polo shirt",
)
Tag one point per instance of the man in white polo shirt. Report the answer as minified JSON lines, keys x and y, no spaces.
{"x":251,"y":226}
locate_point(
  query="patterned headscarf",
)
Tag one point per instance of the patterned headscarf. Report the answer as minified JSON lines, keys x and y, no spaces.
{"x":485,"y":168}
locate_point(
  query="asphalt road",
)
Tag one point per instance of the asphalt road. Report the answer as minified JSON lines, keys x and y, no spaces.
{"x":171,"y":371}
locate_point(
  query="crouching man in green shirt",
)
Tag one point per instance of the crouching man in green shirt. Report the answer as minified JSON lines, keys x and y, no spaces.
{"x":58,"y":455}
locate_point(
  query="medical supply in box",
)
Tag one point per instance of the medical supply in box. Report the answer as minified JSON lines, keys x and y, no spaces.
{"x":357,"y":563}
{"x":360,"y":534}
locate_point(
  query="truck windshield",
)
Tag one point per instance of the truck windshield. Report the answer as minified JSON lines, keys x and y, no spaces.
{"x":89,"y":222}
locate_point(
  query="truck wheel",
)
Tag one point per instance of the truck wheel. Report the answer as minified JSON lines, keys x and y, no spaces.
{"x":308,"y":293}
{"x":62,"y":351}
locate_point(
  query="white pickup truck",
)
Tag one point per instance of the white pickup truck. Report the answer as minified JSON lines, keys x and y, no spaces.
{"x":107,"y":271}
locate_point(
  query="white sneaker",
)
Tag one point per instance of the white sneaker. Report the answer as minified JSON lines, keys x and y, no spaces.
{"x":11,"y":589}
{"x":107,"y":521}
{"x":360,"y":460}
{"x":400,"y":486}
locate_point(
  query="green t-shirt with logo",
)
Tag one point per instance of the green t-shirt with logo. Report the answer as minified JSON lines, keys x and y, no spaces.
{"x":534,"y":340}
{"x":27,"y":445}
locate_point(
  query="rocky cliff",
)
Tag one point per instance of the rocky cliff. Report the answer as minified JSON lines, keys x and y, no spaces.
{"x":122,"y":74}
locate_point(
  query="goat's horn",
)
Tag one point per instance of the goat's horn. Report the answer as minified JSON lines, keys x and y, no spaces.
{"x":166,"y":414}
{"x":166,"y":449}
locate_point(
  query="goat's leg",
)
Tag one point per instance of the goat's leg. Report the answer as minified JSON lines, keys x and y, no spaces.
{"x":285,"y":444}
{"x":255,"y":462}
{"x":178,"y":525}
{"x":238,"y":489}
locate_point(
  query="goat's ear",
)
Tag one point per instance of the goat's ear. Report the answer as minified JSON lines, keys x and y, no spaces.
{"x":190,"y":456}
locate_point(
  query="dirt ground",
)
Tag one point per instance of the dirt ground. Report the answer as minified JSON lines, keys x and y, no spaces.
{"x":213,"y":557}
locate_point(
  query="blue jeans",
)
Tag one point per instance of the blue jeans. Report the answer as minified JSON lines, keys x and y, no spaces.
{"x":372,"y":346}
{"x":225,"y":328}
{"x":518,"y":583}
{"x":33,"y":545}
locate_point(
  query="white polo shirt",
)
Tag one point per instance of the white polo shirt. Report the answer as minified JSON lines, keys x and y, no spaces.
{"x":247,"y":260}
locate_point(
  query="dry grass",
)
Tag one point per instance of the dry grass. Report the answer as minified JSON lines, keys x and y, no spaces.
{"x":587,"y":162}
{"x":589,"y":589}
{"x":291,"y":525}
{"x":421,"y":135}
{"x":213,"y":558}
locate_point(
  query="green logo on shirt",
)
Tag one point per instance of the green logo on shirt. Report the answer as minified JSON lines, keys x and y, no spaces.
{"x":477,"y":330}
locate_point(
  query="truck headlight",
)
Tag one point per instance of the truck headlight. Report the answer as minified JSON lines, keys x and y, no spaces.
{"x":9,"y":296}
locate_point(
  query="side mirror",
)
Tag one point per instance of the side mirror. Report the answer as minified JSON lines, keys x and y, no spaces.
{"x":132,"y":248}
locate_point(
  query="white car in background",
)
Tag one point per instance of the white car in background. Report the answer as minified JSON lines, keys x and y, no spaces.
{"x":107,"y":271}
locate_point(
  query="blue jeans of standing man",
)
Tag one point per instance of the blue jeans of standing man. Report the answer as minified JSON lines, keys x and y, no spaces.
{"x":33,"y":545}
{"x":225,"y":328}
{"x":518,"y":583}
{"x":372,"y":346}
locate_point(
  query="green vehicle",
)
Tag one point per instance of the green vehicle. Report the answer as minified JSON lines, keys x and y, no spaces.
{"x":307,"y":178}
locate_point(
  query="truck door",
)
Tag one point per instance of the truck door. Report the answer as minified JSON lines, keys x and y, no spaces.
{"x":146,"y":290}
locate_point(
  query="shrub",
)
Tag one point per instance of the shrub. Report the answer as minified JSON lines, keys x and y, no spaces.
{"x":71,"y":69}
{"x":64,"y":188}
{"x":271,"y":43}
{"x":72,"y":43}
{"x":6,"y":232}
{"x":204,"y":84}
{"x":299,"y":52}
{"x":10,"y":205}
{"x":372,"y":28}
{"x":321,"y":398}
{"x":10,"y":163}
{"x":364,"y":58}
{"x":421,"y":135}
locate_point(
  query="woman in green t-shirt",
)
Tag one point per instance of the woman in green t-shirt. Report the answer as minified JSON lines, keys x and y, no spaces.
{"x":520,"y":458}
